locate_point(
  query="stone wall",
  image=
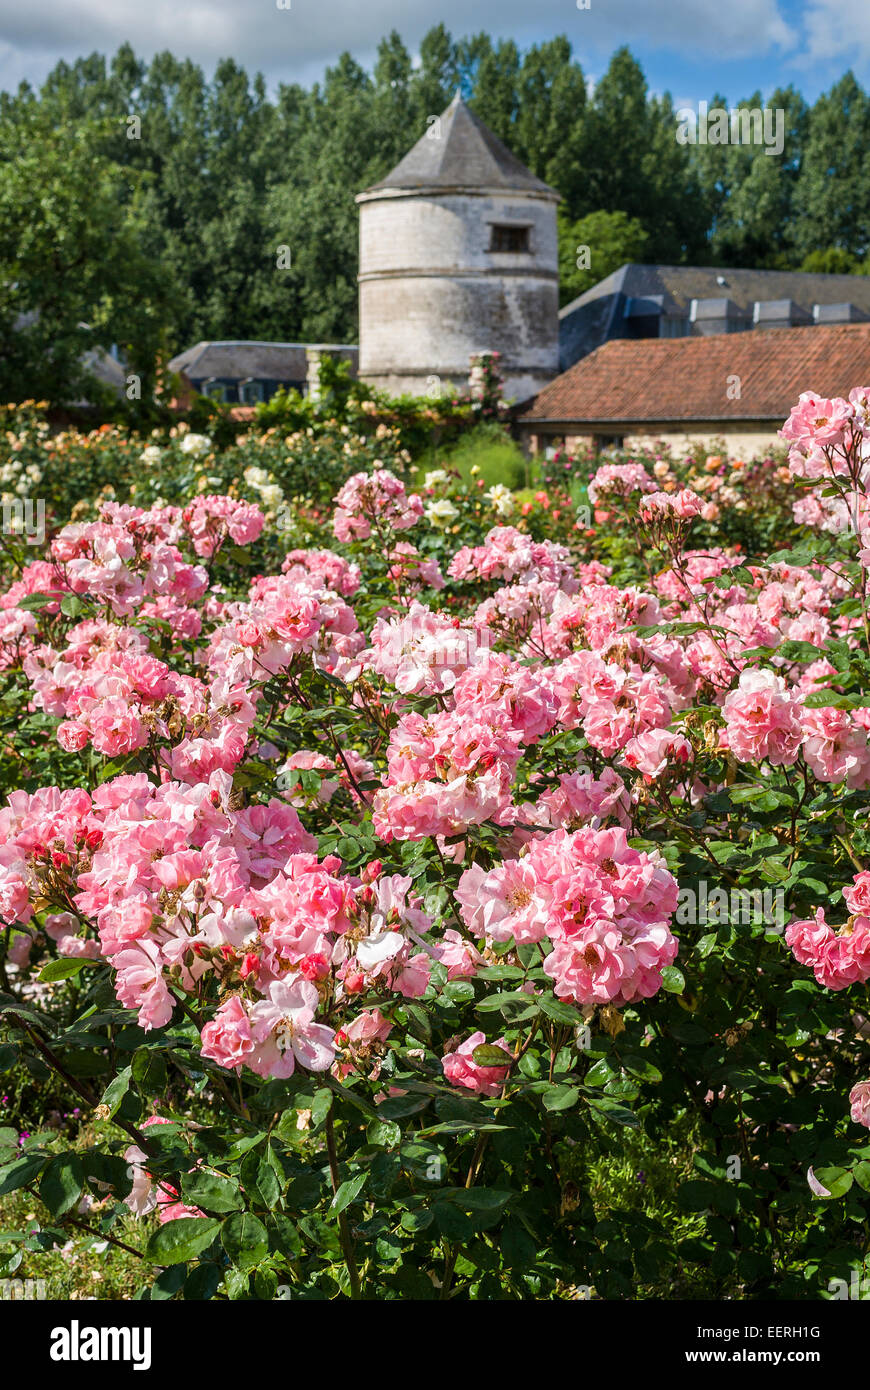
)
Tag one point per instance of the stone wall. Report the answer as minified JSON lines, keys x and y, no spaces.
{"x":740,"y":440}
{"x":431,"y":293}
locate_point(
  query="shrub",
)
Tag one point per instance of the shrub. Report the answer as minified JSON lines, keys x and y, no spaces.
{"x":424,"y":910}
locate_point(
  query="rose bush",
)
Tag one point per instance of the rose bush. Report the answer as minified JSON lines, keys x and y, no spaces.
{"x":369,"y":902}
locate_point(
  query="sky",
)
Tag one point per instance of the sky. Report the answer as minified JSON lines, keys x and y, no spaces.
{"x":691,"y":48}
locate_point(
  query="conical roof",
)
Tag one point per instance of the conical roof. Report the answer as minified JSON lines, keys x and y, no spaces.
{"x":464,"y":155}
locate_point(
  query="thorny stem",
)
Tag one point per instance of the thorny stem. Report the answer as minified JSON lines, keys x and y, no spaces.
{"x":83,"y":1226}
{"x":339,"y":752}
{"x":343,"y":1227}
{"x":87,"y":1096}
{"x":452,"y":1251}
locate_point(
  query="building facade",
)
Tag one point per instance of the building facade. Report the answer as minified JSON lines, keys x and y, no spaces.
{"x":682,"y":301}
{"x":247,"y":373}
{"x":458,"y":256}
{"x":705,"y":391}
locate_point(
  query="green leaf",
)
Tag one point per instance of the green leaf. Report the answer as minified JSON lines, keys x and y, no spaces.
{"x":560,"y":1012}
{"x":611,"y":1110}
{"x":451,"y":1222}
{"x":237,"y":1284}
{"x":61,"y":1184}
{"x":178,"y":1241}
{"x":487,"y":1055}
{"x":245,"y":1239}
{"x":384,"y":1134}
{"x":31,"y":603}
{"x":600,"y":1073}
{"x":673,"y":980}
{"x":213,"y":1191}
{"x":561,"y":1097}
{"x":169,"y":1282}
{"x":420,"y":1024}
{"x":64,"y":967}
{"x":482,"y":1198}
{"x":107,"y":1172}
{"x":499,"y":972}
{"x":20,"y":1173}
{"x":265,"y":1284}
{"x":417,"y":1220}
{"x":500,"y":1003}
{"x":517,"y":1247}
{"x":286,"y":1236}
{"x":638,"y":1065}
{"x":837,"y":1180}
{"x":696,"y":1194}
{"x":321,"y":1105}
{"x":71,"y":605}
{"x":398,"y":1107}
{"x":348,"y":1192}
{"x":268,"y":1185}
{"x":149,"y":1070}
{"x":460,"y":992}
{"x":203,"y":1282}
{"x":116,"y":1091}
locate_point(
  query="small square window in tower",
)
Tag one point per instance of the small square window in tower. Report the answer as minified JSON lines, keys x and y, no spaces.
{"x":512,"y":239}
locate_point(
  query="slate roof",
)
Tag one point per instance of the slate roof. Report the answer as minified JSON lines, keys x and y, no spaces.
{"x":658,"y":379}
{"x":467,"y":156}
{"x":597,"y":315}
{"x":236,"y":361}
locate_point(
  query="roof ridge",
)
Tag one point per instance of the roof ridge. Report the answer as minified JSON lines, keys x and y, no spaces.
{"x":458,"y":150}
{"x":685,"y":379}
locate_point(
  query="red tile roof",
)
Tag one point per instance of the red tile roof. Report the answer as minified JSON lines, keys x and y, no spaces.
{"x":687,"y":378}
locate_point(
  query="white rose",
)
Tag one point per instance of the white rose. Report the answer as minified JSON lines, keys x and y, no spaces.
{"x":196,"y":444}
{"x":500,"y":498}
{"x":441,"y":513}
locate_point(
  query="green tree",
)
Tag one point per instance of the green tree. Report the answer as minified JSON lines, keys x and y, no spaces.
{"x":751,"y":192}
{"x":833,"y":190}
{"x":76,"y":274}
{"x":832,"y":260}
{"x":606,"y":239}
{"x":632,"y":163}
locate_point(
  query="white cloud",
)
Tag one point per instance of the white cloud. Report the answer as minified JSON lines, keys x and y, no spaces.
{"x":296,"y":44}
{"x":837,"y":31}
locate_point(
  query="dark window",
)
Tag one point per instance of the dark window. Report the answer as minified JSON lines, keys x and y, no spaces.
{"x":643,"y":326}
{"x":250,"y":392}
{"x":514,"y":239}
{"x":224,"y":391}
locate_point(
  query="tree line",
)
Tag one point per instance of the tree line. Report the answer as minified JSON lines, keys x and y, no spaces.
{"x":144,"y":205}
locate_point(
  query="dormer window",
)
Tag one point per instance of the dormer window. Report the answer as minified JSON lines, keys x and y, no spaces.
{"x":251,"y":391}
{"x":511,"y":239}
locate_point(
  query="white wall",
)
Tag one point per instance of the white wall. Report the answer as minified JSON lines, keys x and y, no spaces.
{"x":431,"y":293}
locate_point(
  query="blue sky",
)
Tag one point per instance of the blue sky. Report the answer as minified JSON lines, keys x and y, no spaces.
{"x":690,"y":47}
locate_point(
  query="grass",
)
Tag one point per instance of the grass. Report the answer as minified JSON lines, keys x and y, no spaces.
{"x":85,"y":1266}
{"x":490,"y":450}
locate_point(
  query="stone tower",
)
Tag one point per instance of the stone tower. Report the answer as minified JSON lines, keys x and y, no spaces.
{"x":458,"y":255}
